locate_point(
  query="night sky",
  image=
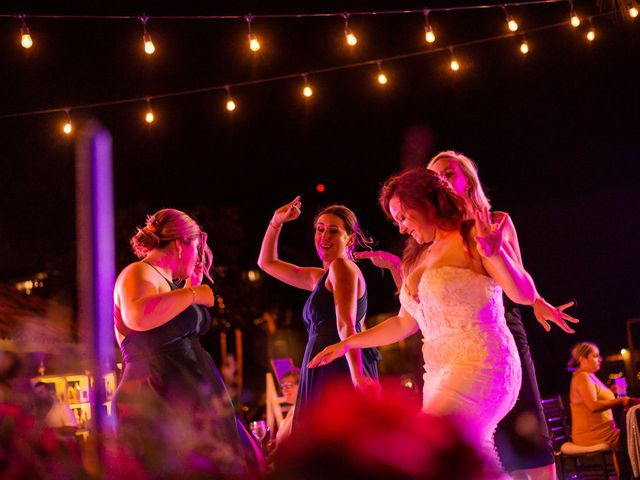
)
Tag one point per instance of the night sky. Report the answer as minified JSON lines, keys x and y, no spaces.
{"x":555,"y":135}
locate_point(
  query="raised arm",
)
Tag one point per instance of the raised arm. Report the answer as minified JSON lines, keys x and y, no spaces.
{"x":543,"y":310}
{"x":502,"y":267}
{"x":144,"y":307}
{"x":386,"y":260}
{"x":392,"y":330}
{"x":300,"y":277}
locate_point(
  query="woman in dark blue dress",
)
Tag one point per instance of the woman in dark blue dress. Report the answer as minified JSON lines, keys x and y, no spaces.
{"x":173,"y":409}
{"x":338,"y":301}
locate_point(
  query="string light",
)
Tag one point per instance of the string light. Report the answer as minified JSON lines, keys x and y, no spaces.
{"x":254,"y":43}
{"x":149,"y":117}
{"x":512,"y":25}
{"x":454,"y":65}
{"x":67,"y":128}
{"x":149,"y":47}
{"x":349,"y":36}
{"x":524,"y":46}
{"x":633,"y":12}
{"x":231,"y":105}
{"x":382,"y":78}
{"x":591,"y":34}
{"x":307,"y":91}
{"x":573,"y":16}
{"x":25,"y":36}
{"x":429,"y":34}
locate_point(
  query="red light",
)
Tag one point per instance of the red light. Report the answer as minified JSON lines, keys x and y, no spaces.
{"x":320,"y":188}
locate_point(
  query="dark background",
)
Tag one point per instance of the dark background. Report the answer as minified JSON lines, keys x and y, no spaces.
{"x":555,"y":135}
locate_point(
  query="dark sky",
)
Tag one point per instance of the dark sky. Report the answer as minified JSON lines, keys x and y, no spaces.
{"x":555,"y":134}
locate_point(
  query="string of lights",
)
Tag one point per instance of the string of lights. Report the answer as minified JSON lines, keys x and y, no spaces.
{"x":307,"y":89}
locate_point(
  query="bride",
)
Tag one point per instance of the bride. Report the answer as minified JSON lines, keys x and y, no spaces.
{"x":453,"y":295}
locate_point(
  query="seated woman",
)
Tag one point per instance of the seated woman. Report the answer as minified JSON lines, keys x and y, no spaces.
{"x":591,"y":401}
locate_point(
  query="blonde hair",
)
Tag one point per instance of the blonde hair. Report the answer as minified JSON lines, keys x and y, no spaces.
{"x":580,"y":350}
{"x":475,"y":192}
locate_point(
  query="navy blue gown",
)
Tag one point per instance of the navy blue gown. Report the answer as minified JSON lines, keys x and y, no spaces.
{"x":320,"y":319}
{"x":172,"y":406}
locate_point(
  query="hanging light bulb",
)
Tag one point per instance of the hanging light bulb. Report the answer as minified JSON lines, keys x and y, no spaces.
{"x":524,"y":46}
{"x":67,"y":127}
{"x":453,"y":64}
{"x":25,"y":36}
{"x":307,"y":91}
{"x":349,"y":36}
{"x":149,"y":47}
{"x":254,"y":43}
{"x":591,"y":34}
{"x":633,"y":12}
{"x":429,"y":34}
{"x":575,"y":20}
{"x":573,"y":16}
{"x":512,"y":25}
{"x":231,"y":105}
{"x":382,"y":78}
{"x":149,"y":117}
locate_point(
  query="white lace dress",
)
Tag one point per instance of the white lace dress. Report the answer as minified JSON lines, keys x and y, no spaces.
{"x":472,"y":368}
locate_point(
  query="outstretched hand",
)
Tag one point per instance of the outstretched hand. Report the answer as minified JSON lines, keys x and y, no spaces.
{"x":489,"y":235}
{"x":287,"y":212}
{"x":381,"y":259}
{"x":545,"y":313}
{"x":329,"y":354}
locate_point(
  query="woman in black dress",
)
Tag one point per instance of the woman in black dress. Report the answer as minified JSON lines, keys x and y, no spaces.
{"x":338,"y":301}
{"x":172,"y":406}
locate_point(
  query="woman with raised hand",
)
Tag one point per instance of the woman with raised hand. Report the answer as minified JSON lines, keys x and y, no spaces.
{"x":337,"y":305}
{"x":453,"y":295}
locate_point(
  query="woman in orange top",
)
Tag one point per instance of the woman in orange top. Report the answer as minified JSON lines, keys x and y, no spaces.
{"x":591,"y":400}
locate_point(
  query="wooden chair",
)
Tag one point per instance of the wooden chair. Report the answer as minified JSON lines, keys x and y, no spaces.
{"x":594,"y":462}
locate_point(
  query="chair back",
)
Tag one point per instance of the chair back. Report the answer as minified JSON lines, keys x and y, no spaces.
{"x":557,"y":421}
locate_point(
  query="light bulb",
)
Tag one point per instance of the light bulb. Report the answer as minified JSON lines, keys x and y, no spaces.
{"x":149,"y":117}
{"x":575,"y":20}
{"x":231,"y":105}
{"x":254,"y":43}
{"x":524,"y":47}
{"x":633,"y":12}
{"x":512,"y":24}
{"x":429,"y":36}
{"x":149,"y":47}
{"x":591,"y":34}
{"x":67,"y":128}
{"x":350,"y":37}
{"x":455,"y":66}
{"x":382,"y":78}
{"x":25,"y":37}
{"x":307,"y":91}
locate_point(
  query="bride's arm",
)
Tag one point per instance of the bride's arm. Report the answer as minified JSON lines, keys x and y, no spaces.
{"x":392,"y":330}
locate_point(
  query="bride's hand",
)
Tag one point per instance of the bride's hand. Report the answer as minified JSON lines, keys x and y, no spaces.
{"x":287,"y":212}
{"x":489,"y":235}
{"x":329,"y":354}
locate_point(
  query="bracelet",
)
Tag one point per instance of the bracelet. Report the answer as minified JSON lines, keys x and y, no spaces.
{"x":273,"y":226}
{"x":193,"y":292}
